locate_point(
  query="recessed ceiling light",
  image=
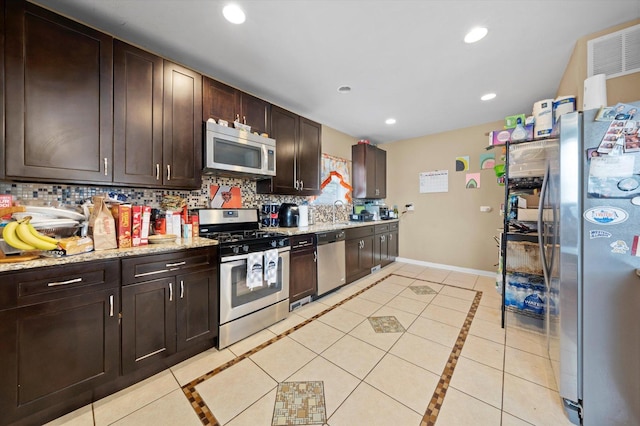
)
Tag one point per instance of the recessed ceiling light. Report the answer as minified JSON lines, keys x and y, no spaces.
{"x":390,"y":121}
{"x":344,"y":89}
{"x":475,"y":34}
{"x":233,"y":14}
{"x":488,"y":97}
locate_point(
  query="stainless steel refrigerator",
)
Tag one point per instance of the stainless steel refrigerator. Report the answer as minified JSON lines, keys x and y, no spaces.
{"x":591,"y":229}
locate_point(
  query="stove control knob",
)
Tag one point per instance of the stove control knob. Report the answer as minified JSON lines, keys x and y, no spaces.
{"x":281,"y":242}
{"x":236,"y":249}
{"x":245,"y":249}
{"x":273,"y":243}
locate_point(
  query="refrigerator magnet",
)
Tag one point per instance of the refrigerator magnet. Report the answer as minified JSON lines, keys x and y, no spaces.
{"x":605,"y":215}
{"x":596,"y":233}
{"x":619,"y":247}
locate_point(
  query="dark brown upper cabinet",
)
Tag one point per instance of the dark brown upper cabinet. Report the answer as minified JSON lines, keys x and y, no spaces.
{"x":182,"y":127}
{"x":58,"y":97}
{"x":369,"y":171}
{"x":150,"y":93}
{"x":227,"y":103}
{"x":298,"y":151}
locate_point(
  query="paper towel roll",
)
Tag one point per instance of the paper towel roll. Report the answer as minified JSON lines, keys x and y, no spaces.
{"x":543,"y":114}
{"x":595,"y":92}
{"x":303,"y":216}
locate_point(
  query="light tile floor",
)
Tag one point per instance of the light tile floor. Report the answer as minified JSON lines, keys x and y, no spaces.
{"x":502,"y":377}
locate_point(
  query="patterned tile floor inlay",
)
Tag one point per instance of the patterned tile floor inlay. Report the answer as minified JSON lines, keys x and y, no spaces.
{"x":422,"y":289}
{"x":300,"y":403}
{"x":386,"y":325}
{"x":291,"y":407}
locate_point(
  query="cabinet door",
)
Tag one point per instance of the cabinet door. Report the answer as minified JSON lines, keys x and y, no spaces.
{"x":182,"y":127}
{"x":393,"y":245}
{"x":148,"y":323}
{"x":352,"y":260}
{"x":284,"y":130}
{"x":59,"y":84}
{"x":303,"y":276}
{"x":367,"y":256}
{"x":137,"y":121}
{"x":51,"y":352}
{"x":381,"y":173}
{"x":308,"y":157}
{"x":197,"y":307}
{"x":255,"y":112}
{"x":220,"y":101}
{"x":381,"y":249}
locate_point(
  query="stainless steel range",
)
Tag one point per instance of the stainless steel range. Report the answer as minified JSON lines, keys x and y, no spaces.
{"x":254,"y":272}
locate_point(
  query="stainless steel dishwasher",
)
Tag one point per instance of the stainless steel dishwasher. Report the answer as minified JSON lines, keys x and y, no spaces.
{"x":331,"y":261}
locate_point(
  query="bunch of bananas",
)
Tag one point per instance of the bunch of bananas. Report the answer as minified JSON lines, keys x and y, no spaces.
{"x":23,"y":236}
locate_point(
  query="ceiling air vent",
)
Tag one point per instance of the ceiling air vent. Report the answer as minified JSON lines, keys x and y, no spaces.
{"x":615,"y":54}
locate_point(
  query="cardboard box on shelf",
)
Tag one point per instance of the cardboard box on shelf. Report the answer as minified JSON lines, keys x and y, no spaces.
{"x":531,"y":215}
{"x":528,"y":201}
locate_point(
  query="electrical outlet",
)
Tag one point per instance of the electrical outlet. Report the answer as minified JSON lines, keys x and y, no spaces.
{"x":410,"y":207}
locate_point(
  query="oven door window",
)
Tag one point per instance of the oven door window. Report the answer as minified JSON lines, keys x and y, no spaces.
{"x":237,"y":154}
{"x":241,"y":294}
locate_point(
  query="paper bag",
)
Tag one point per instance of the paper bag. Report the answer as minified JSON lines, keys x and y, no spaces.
{"x":102,"y":226}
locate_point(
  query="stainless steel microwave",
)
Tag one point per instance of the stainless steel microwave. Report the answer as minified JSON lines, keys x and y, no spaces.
{"x":230,"y":151}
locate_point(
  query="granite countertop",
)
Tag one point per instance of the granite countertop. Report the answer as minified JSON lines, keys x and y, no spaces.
{"x":180,"y":244}
{"x":328,"y":226}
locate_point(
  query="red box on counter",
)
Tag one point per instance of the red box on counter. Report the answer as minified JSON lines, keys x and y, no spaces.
{"x":122,"y":215}
{"x":136,"y":225}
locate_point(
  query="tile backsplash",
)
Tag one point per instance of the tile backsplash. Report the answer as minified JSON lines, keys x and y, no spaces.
{"x":51,"y":194}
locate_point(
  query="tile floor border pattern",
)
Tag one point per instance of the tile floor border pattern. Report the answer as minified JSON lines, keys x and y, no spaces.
{"x":206,"y":416}
{"x":196,"y":401}
{"x":433,"y":409}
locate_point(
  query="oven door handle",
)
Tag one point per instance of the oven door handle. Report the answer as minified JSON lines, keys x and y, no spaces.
{"x":245,"y":256}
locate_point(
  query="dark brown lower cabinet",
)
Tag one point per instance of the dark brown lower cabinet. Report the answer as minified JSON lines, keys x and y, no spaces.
{"x":303,"y":272}
{"x":359,"y":252}
{"x":386,"y":243}
{"x":167,"y":315}
{"x":59,"y":338}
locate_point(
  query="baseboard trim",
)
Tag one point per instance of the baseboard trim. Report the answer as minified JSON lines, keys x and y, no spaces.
{"x":447,"y":267}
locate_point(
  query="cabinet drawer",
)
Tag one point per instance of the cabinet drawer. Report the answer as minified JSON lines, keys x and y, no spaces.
{"x":382,"y":229}
{"x":393,"y":226}
{"x":361,"y":232}
{"x":55,"y":282}
{"x":145,"y":268}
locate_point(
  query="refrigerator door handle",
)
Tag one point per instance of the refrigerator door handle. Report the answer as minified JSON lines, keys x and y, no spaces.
{"x":541,"y":229}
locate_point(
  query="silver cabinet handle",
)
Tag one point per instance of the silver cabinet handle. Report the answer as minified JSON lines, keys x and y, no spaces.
{"x":315,"y":256}
{"x":173,"y":265}
{"x":106,"y":165}
{"x":157,"y":171}
{"x":168,"y":171}
{"x":75,"y":280}
{"x":296,"y":185}
{"x":301,"y":185}
{"x":111,"y":305}
{"x":170,"y":292}
{"x":390,"y":237}
{"x":181,"y":289}
{"x":238,"y":118}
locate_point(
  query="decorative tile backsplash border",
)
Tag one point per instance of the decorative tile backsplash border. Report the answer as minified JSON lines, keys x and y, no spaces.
{"x":53,"y":194}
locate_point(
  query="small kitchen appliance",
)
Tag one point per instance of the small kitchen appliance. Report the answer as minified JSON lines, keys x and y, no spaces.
{"x":253,"y":272}
{"x":288,"y":215}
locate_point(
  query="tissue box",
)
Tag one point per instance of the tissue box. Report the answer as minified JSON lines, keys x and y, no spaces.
{"x":500,"y":137}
